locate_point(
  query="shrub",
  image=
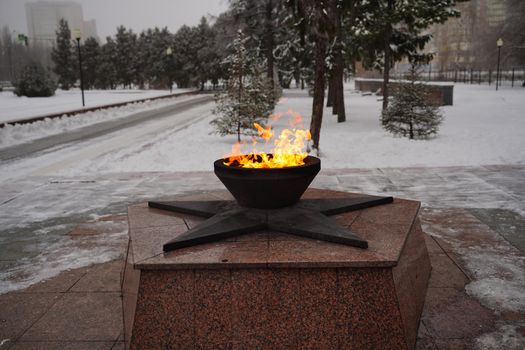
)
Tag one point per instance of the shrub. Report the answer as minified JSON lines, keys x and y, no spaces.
{"x":35,"y":81}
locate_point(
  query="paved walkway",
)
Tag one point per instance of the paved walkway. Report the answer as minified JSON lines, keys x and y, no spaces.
{"x":473,"y":217}
{"x":79,"y":309}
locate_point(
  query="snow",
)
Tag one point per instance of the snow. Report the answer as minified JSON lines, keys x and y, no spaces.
{"x":470,"y":135}
{"x":505,"y":337}
{"x":14,"y":108}
{"x":62,"y":253}
{"x":498,"y":293}
{"x":11,"y":135}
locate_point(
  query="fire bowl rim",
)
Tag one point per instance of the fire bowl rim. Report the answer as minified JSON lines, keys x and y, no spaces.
{"x":310,"y":161}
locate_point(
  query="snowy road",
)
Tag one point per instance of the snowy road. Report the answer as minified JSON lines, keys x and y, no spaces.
{"x":91,"y":143}
{"x":101,"y":129}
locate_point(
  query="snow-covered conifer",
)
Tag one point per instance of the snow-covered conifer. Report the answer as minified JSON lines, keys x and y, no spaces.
{"x":62,"y":55}
{"x":248,"y":97}
{"x":411,"y":113}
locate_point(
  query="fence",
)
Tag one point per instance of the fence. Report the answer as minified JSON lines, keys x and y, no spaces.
{"x":514,"y":77}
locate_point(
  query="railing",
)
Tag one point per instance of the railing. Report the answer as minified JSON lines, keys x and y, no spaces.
{"x":514,"y":77}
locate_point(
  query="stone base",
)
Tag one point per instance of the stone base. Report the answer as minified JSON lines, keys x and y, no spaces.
{"x":440,"y":95}
{"x":270,"y":290}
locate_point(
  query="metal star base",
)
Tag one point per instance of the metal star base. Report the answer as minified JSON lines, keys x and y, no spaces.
{"x":308,"y":218}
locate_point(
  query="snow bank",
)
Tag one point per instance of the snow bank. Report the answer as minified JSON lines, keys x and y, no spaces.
{"x":14,"y":108}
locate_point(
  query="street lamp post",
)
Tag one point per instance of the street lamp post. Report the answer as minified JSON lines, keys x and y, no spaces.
{"x":78,"y":35}
{"x":499,"y":44}
{"x":169,"y":52}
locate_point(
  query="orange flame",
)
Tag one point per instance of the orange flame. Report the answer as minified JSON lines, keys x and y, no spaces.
{"x":288,"y":148}
{"x":264,"y":133}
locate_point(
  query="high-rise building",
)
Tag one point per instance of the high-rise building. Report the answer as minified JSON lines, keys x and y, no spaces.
{"x":43,"y":18}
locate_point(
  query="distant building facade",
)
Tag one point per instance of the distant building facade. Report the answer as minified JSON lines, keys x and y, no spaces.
{"x":462,"y":42}
{"x":43,"y":17}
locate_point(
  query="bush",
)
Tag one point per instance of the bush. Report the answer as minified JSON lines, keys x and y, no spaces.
{"x":35,"y":81}
{"x":410,"y":114}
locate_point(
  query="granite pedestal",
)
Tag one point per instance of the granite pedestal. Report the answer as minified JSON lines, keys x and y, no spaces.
{"x":269,"y":290}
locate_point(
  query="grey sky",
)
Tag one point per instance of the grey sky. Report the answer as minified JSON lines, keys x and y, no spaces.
{"x":135,"y":14}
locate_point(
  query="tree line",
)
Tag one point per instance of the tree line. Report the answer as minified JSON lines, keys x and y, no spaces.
{"x":155,"y":58}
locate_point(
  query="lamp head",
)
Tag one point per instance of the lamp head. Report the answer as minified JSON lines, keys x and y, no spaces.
{"x":77,"y":34}
{"x":499,"y":42}
{"x":169,"y":51}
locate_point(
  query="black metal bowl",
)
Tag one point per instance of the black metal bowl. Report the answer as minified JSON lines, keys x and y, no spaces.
{"x":267,"y":188}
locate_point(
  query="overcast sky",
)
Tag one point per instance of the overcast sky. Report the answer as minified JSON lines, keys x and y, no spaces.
{"x":136,"y":14}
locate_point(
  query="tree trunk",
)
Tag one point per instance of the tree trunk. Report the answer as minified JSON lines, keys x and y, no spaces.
{"x":239,"y":131}
{"x":331,"y":87}
{"x":386,"y":68}
{"x":269,"y":41}
{"x":318,"y":101}
{"x":240,"y":99}
{"x":386,"y":73}
{"x":339,"y":98}
{"x":335,"y":103}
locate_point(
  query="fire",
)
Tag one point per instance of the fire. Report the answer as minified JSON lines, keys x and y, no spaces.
{"x":289,"y":147}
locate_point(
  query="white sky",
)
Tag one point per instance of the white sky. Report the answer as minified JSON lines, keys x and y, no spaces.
{"x":135,"y":14}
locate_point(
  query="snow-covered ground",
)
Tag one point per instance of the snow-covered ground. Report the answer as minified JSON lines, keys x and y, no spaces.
{"x":14,"y":108}
{"x":483,"y":127}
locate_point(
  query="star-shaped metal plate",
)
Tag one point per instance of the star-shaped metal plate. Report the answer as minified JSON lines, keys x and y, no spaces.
{"x":308,"y":218}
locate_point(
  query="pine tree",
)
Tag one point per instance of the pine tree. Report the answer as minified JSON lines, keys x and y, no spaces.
{"x":206,"y":56}
{"x":249,"y":97}
{"x":62,"y":56}
{"x":184,"y":55}
{"x":293,"y":53}
{"x":91,"y":59}
{"x":126,"y":48}
{"x":258,"y":20}
{"x":107,"y":68}
{"x":411,"y":114}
